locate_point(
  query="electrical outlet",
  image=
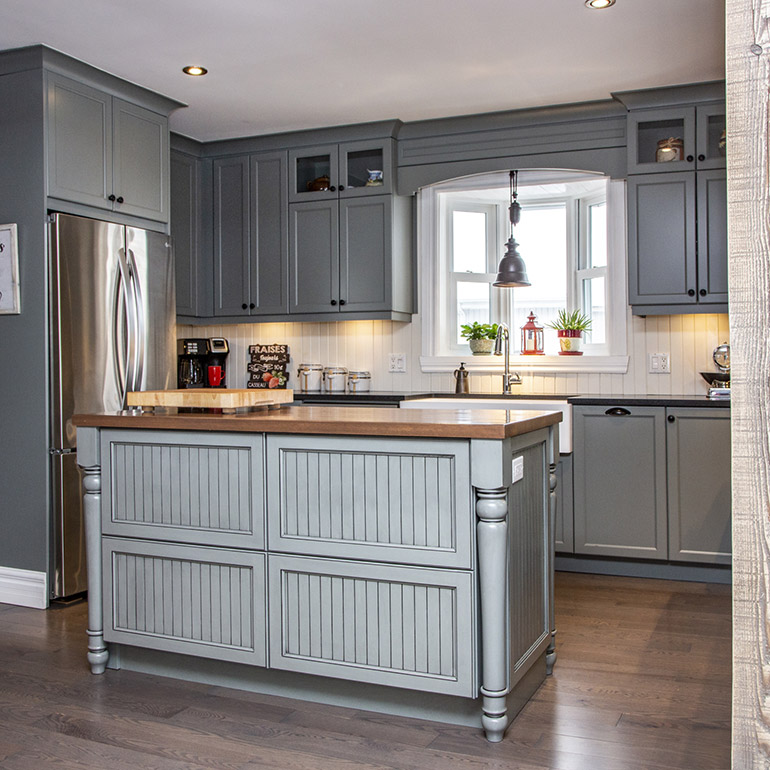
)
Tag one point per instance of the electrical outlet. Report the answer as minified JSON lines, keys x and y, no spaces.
{"x":397,"y":363}
{"x":517,"y":467}
{"x":660,"y":363}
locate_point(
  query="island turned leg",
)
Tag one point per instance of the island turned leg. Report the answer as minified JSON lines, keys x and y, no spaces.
{"x":550,"y":653}
{"x":97,"y":649}
{"x":492,"y":535}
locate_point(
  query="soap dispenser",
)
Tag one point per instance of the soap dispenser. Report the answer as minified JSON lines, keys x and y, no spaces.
{"x":462,"y":380}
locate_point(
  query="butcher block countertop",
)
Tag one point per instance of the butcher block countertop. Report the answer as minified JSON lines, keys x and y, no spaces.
{"x":338,"y":420}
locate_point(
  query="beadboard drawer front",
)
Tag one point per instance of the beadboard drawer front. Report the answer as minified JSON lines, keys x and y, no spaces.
{"x":204,"y":488}
{"x":401,"y":626}
{"x":390,"y":500}
{"x":197,"y":601}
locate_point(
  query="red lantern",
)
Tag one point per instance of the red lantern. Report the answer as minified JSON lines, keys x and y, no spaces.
{"x":532,"y":337}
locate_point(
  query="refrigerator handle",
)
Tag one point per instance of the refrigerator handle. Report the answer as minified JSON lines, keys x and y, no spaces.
{"x":124,"y":353}
{"x":140,"y":343}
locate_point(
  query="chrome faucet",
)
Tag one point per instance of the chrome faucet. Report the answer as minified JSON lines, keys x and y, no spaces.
{"x":502,"y":347}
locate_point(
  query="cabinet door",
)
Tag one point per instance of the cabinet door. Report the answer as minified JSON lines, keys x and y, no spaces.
{"x":140,"y":164}
{"x":314,"y":269}
{"x":661,"y":239}
{"x":564,"y":535}
{"x":711,"y":121}
{"x":366,"y":232}
{"x":307,"y":169}
{"x":699,"y":496}
{"x":232,"y":277}
{"x":184,"y":231}
{"x":647,"y":127}
{"x":712,"y":236}
{"x":619,"y":477}
{"x":269,"y":235}
{"x":79,"y":143}
{"x":357,"y":161}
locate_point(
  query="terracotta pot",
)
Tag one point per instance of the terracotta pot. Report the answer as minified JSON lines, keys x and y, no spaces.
{"x":570,"y":341}
{"x":481,"y":347}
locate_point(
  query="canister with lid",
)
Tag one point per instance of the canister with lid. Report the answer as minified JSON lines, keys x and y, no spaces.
{"x":309,"y":377}
{"x":334,"y":379}
{"x":359,"y":382}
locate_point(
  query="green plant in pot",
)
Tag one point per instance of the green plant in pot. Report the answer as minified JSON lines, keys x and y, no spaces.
{"x":569,"y":329}
{"x":481,"y":337}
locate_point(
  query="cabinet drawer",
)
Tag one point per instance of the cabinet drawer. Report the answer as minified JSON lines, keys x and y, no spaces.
{"x":187,"y":599}
{"x":401,"y":626}
{"x":392,"y":500}
{"x":193,"y":487}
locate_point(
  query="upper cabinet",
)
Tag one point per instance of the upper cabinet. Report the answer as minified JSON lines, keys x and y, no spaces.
{"x":105,"y":152}
{"x":346,"y":170}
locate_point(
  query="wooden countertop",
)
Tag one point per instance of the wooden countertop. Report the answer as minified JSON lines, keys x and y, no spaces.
{"x":340,"y":420}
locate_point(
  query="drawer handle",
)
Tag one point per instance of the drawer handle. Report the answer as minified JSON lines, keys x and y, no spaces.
{"x":618,"y":411}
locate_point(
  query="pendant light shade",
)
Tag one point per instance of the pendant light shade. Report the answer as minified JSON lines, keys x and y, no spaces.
{"x":512,"y":272}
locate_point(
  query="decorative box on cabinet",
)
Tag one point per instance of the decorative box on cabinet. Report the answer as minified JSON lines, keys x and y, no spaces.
{"x":106,"y":152}
{"x":250,"y":235}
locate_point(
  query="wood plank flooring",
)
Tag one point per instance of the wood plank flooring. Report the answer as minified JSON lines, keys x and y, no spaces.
{"x":642,"y":683}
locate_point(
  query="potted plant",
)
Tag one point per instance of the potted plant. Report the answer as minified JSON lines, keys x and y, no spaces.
{"x":481,"y":337}
{"x":569,"y":329}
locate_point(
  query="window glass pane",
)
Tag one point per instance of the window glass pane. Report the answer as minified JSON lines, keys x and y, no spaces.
{"x":597,"y":222}
{"x":472,"y":304}
{"x":469,"y":239}
{"x":542,"y":238}
{"x":595,"y":304}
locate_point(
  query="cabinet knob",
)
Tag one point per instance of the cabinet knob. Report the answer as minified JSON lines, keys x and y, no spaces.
{"x":671,"y":418}
{"x":701,"y":157}
{"x":618,"y":411}
{"x":703,"y":292}
{"x":111,"y":198}
{"x":342,"y":302}
{"x":342,"y":187}
{"x":251,"y":306}
{"x":690,"y":159}
{"x":333,"y":188}
{"x":244,"y":306}
{"x":120,"y":199}
{"x":334,"y":302}
{"x":691,"y":292}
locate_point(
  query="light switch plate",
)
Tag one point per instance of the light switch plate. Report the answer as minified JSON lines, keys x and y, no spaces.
{"x":659,"y":363}
{"x":397,"y":363}
{"x":518,"y":469}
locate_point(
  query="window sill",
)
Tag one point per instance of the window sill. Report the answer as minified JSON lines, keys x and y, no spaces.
{"x":490,"y":364}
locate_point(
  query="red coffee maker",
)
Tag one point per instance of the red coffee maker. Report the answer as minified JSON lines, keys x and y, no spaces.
{"x":215,"y":369}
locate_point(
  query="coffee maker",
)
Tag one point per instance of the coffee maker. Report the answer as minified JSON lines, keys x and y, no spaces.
{"x":192,"y":356}
{"x":216,"y":371}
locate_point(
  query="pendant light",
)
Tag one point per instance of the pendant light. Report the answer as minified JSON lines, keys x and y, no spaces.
{"x":512,"y":272}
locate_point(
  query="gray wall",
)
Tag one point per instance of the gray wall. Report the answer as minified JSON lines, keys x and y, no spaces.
{"x":24,"y":528}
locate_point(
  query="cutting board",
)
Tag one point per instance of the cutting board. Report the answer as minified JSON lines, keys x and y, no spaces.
{"x":226,"y":399}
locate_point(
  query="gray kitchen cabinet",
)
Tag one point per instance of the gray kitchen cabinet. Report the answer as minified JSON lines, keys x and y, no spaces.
{"x":564,"y":534}
{"x":619,"y":474}
{"x":106,"y":152}
{"x":351,"y":256}
{"x":712,"y":236}
{"x":185,"y":231}
{"x":250,"y":235}
{"x":699,"y":496}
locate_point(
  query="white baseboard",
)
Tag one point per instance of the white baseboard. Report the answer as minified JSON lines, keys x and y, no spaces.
{"x":23,"y":587}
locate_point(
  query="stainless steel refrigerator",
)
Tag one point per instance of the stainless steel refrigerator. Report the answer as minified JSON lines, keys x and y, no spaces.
{"x":112,"y":330}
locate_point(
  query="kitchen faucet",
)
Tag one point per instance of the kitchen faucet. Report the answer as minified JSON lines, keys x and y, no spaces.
{"x":502,"y":341}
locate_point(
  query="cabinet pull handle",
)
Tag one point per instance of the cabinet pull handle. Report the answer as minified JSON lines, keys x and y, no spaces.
{"x":701,"y":157}
{"x":691,"y":292}
{"x":111,"y":198}
{"x":342,"y":302}
{"x":342,"y":187}
{"x":120,"y":199}
{"x":618,"y":411}
{"x":244,"y":306}
{"x":703,"y":292}
{"x":671,"y":418}
{"x":252,"y":306}
{"x":332,"y":188}
{"x":334,"y":302}
{"x":690,"y":159}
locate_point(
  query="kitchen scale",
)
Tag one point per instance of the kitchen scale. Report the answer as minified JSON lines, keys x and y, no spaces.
{"x":720,"y":380}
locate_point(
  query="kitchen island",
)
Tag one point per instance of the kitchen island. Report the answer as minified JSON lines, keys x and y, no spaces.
{"x":392,"y":548}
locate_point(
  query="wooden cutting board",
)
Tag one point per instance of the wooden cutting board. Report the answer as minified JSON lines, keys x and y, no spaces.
{"x":227,"y":399}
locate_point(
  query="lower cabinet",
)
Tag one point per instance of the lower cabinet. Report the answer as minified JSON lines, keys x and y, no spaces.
{"x":381,"y":624}
{"x":564,"y":535}
{"x":652,"y":483}
{"x":194,"y":600}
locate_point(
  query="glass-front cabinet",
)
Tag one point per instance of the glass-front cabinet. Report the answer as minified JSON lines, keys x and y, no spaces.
{"x":346,"y":170}
{"x":677,"y":139}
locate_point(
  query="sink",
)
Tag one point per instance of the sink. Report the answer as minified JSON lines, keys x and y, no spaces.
{"x":510,"y":404}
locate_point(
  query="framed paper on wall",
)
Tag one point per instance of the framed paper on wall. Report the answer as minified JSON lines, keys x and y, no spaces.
{"x":9,"y":270}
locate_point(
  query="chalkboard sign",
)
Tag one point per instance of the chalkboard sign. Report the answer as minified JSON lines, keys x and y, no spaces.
{"x":267,"y":366}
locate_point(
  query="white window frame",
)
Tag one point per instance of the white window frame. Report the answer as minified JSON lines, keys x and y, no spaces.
{"x":432,"y":276}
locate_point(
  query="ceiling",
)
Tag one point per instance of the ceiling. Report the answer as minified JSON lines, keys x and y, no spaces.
{"x":281,"y":65}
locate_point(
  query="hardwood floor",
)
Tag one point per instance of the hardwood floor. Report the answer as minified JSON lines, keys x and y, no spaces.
{"x":642,"y":683}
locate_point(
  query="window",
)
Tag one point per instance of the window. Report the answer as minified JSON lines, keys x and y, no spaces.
{"x":568,"y":236}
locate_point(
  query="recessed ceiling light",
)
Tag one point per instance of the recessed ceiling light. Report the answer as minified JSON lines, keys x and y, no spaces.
{"x":598,"y":4}
{"x":198,"y":71}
